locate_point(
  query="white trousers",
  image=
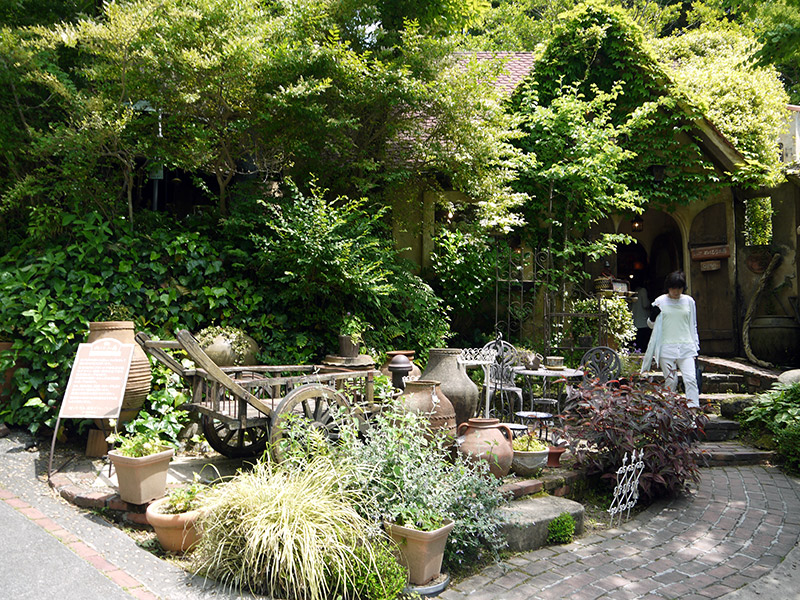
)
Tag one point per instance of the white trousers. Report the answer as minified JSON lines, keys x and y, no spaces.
{"x":670,"y":368}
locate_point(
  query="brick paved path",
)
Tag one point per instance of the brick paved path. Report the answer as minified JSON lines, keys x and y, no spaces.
{"x":736,"y":526}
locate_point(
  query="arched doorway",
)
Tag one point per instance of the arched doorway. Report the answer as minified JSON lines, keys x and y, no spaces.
{"x":658,"y":251}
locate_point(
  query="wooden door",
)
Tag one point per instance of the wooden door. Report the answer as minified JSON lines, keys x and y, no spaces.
{"x":711,"y":286}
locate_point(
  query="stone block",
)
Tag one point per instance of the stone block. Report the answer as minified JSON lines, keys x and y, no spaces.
{"x":526,"y":520}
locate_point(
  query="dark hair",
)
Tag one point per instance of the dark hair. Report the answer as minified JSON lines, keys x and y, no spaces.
{"x":676,"y":279}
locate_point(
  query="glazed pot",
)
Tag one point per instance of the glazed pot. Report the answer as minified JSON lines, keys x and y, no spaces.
{"x":487,"y":440}
{"x":221,"y":351}
{"x":175,"y":532}
{"x":426,"y":397}
{"x":444,"y":366}
{"x":139,"y":376}
{"x":526,"y":464}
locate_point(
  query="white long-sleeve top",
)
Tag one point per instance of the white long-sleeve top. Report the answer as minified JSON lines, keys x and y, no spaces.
{"x":674,"y":331}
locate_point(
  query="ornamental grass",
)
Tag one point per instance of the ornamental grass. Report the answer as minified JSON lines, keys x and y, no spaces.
{"x":288,"y":533}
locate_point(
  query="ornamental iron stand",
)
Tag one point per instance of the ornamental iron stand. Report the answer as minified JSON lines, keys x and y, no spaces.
{"x":626,"y":492}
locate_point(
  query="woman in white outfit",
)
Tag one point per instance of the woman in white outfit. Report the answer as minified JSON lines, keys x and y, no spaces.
{"x":674,"y":343}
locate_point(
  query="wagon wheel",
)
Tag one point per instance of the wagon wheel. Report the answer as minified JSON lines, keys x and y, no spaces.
{"x":320,"y":407}
{"x":235,"y":443}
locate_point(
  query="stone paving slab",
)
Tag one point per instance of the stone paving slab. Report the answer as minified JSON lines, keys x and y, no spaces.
{"x":735,"y":527}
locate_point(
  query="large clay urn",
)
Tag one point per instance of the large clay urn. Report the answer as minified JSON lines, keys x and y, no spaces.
{"x":139,"y":376}
{"x":426,"y":397}
{"x":444,"y":366}
{"x":488,"y":440}
{"x":415,"y":370}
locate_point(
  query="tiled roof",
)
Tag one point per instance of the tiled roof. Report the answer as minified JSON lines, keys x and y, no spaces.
{"x":518,"y":65}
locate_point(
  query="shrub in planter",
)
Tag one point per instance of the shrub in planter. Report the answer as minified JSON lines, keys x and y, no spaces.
{"x":603,"y":423}
{"x":409,"y":478}
{"x":175,"y":517}
{"x":141,"y":461}
{"x":530,"y":455}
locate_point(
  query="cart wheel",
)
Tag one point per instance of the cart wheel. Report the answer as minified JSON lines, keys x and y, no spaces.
{"x":235,"y":443}
{"x":321,"y":407}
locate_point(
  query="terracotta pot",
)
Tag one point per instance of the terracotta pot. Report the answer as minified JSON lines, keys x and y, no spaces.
{"x":139,"y":376}
{"x":554,"y":456}
{"x":347,"y":347}
{"x":426,"y":397}
{"x":489,"y":440}
{"x":415,"y":370}
{"x":5,"y":376}
{"x":526,"y":464}
{"x":420,"y":551}
{"x":444,"y":366}
{"x":175,"y":532}
{"x":141,"y":479}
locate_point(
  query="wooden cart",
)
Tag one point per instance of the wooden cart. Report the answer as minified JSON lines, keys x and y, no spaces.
{"x":244,"y":409}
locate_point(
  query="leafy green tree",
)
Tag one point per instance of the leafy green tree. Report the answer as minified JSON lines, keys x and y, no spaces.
{"x":576,"y":180}
{"x":516,"y":25}
{"x":246,"y":90}
{"x":747,"y":103}
{"x":775,"y":23}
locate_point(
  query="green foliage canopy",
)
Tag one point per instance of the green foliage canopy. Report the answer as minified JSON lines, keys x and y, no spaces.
{"x":747,"y":103}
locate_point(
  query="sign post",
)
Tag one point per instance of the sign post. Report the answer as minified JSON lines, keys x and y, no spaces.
{"x":96,"y":384}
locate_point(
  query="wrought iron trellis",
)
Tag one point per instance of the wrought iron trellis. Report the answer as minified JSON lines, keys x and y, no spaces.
{"x":524,"y":290}
{"x":626,"y":492}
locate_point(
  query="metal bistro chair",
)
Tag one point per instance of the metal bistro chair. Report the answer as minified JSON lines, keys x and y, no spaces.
{"x":500,"y":380}
{"x":602,"y":364}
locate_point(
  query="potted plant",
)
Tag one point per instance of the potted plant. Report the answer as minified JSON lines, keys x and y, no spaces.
{"x":351,"y":335}
{"x":8,"y":335}
{"x":175,"y":517}
{"x":420,"y":535}
{"x":530,"y":455}
{"x":141,"y":462}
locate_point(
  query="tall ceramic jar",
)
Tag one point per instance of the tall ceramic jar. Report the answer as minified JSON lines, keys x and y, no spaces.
{"x":489,"y":440}
{"x":444,"y":366}
{"x":139,"y":376}
{"x":426,"y":397}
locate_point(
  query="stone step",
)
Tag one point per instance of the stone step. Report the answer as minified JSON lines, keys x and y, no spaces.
{"x":719,"y":429}
{"x":526,"y":520}
{"x":716,"y":383}
{"x":731,"y":453}
{"x":726,"y":405}
{"x":756,"y":379}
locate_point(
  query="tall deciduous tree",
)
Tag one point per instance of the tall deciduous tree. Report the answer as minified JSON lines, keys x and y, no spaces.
{"x":249,"y":88}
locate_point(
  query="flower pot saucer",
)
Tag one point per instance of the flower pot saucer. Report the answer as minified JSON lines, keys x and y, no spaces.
{"x":432,"y":588}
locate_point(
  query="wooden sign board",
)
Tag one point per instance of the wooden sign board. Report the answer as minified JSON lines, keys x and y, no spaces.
{"x":710,"y":265}
{"x":711,"y":252}
{"x":97,"y":381}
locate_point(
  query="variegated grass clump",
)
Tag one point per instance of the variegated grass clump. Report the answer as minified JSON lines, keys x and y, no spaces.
{"x":289,"y":533}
